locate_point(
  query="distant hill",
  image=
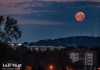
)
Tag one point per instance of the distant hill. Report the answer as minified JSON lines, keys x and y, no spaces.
{"x":87,"y":41}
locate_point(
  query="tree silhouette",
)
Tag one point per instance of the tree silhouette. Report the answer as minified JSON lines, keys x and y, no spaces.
{"x":9,"y":29}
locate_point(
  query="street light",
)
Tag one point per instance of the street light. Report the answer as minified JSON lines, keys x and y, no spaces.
{"x":66,"y":67}
{"x":51,"y":67}
{"x":99,"y":68}
{"x":28,"y":67}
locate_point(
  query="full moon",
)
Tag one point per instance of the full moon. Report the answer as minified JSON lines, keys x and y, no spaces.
{"x":79,"y":16}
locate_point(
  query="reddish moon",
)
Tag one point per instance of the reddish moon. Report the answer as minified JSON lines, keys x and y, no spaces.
{"x":79,"y":16}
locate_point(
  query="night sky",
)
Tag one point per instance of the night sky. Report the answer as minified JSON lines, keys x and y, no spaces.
{"x":50,"y":19}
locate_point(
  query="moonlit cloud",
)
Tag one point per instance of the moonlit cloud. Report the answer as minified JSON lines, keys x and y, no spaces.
{"x":11,"y":7}
{"x":24,"y":6}
{"x":69,"y":0}
{"x":12,"y":10}
{"x":38,"y":22}
{"x":14,"y":1}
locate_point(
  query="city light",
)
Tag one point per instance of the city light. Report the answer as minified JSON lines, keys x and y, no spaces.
{"x":99,"y":68}
{"x":51,"y":67}
{"x":19,"y":44}
{"x":28,"y":68}
{"x":66,"y":67}
{"x":12,"y":44}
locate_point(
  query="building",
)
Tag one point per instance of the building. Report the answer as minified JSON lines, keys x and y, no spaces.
{"x":87,"y":57}
{"x":44,"y":48}
{"x":37,"y":48}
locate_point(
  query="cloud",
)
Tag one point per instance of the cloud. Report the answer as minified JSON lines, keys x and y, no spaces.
{"x":19,"y":7}
{"x":14,"y":1}
{"x":38,"y":22}
{"x":12,"y":7}
{"x":69,"y":0}
{"x":12,"y":10}
{"x":31,"y":6}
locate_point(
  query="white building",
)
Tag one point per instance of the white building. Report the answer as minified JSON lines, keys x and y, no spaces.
{"x":44,"y":48}
{"x":74,"y":56}
{"x":87,"y":57}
